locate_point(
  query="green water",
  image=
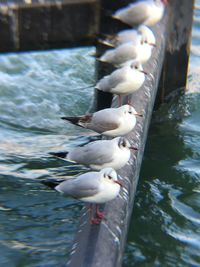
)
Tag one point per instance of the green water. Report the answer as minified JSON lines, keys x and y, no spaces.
{"x":37,"y":225}
{"x":165,"y":226}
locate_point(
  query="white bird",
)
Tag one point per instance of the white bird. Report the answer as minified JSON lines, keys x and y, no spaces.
{"x":135,"y":36}
{"x":93,"y":187}
{"x":123,"y":81}
{"x":147,"y":12}
{"x":140,"y":51}
{"x":111,"y":121}
{"x":100,"y":154}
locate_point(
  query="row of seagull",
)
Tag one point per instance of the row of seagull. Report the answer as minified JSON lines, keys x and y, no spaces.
{"x":129,"y":50}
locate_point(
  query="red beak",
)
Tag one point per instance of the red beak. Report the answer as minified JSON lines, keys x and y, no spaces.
{"x":118,"y":182}
{"x":134,"y":148}
{"x":144,"y":72}
{"x":138,"y":114}
{"x":154,"y":45}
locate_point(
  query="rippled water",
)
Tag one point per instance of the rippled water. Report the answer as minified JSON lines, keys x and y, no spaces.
{"x":37,"y":224}
{"x":165,"y":227}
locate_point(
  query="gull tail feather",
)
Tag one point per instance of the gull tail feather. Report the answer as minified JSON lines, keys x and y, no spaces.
{"x":61,"y":155}
{"x":52,"y":183}
{"x":73,"y":120}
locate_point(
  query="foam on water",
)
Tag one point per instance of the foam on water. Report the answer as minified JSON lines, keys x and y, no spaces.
{"x":36,"y":89}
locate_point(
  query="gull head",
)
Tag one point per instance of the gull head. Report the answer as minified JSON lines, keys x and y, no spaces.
{"x":124,"y":144}
{"x":110,"y":175}
{"x":147,"y":36}
{"x":128,"y":110}
{"x":137,"y":66}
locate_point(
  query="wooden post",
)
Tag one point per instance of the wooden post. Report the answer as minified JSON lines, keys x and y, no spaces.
{"x":174,"y":74}
{"x":107,"y":26}
{"x":33,"y":25}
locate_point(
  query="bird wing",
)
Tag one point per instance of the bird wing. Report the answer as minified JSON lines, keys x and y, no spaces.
{"x":111,"y":81}
{"x":117,"y":77}
{"x":135,"y":14}
{"x":95,"y":153}
{"x":85,"y":185}
{"x":104,"y":121}
{"x":81,"y":120}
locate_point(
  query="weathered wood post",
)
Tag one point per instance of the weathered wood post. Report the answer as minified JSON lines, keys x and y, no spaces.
{"x":175,"y":67}
{"x":38,"y":25}
{"x":107,"y":26}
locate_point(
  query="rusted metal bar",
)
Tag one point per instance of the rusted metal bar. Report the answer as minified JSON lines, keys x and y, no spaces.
{"x":38,"y":25}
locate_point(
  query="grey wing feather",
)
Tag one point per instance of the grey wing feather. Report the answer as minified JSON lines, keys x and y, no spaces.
{"x":105,"y":120}
{"x":111,"y":81}
{"x":117,"y":77}
{"x":137,"y":14}
{"x":81,"y":186}
{"x":95,"y":153}
{"x":104,"y":125}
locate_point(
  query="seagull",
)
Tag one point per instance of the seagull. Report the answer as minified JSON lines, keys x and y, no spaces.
{"x":100,"y":154}
{"x":111,"y":121}
{"x":143,"y":33}
{"x":123,"y":81}
{"x":93,"y":187}
{"x":140,"y":51}
{"x":147,"y":12}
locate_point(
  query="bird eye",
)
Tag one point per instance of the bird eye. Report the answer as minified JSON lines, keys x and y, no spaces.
{"x":130,"y":112}
{"x":124,"y":144}
{"x":136,"y":67}
{"x":109,"y":177}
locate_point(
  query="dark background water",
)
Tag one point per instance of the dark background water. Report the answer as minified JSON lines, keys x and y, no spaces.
{"x":37,"y":225}
{"x":165,"y":226}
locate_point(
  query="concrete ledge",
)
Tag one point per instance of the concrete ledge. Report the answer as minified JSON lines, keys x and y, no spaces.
{"x":103,"y":245}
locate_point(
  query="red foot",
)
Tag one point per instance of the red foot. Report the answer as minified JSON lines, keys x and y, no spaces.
{"x":95,"y":221}
{"x":100,"y":214}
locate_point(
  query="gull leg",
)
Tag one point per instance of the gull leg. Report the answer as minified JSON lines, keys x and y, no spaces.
{"x":99,"y":214}
{"x":120,"y":100}
{"x":92,"y":219}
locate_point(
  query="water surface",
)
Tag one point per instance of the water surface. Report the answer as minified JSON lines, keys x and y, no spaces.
{"x":37,"y":224}
{"x":165,"y":227}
